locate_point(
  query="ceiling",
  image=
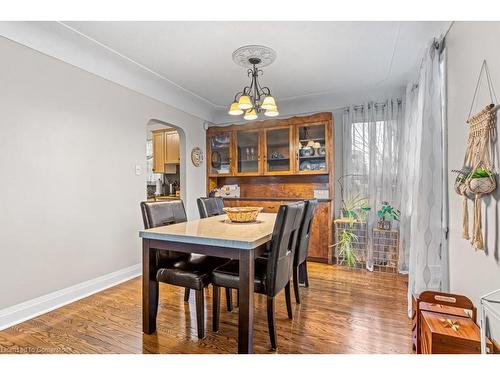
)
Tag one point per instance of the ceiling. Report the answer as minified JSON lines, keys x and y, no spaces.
{"x":313,"y":58}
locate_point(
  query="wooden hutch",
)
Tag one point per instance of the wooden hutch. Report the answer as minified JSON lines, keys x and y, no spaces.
{"x":278,"y":161}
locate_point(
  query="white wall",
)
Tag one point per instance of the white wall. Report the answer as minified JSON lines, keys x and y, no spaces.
{"x":472,"y":273}
{"x":69,"y":196}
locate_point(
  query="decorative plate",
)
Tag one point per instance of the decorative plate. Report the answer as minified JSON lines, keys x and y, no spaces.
{"x":197,"y":156}
{"x":306,"y":151}
{"x":321,"y":151}
{"x":305,"y":166}
{"x":216,"y":159}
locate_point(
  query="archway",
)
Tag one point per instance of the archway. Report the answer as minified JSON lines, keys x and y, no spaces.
{"x":172,"y":174}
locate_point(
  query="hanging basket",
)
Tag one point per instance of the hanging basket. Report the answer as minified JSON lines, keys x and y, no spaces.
{"x":482,"y":185}
{"x":477,"y":178}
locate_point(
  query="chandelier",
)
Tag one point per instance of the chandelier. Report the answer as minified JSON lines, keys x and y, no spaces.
{"x":254,"y":98}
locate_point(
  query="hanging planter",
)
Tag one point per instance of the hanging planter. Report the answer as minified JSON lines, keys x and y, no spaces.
{"x":482,"y":182}
{"x":477,"y":178}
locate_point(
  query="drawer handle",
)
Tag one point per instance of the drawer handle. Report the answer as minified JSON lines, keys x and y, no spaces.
{"x":445,"y":299}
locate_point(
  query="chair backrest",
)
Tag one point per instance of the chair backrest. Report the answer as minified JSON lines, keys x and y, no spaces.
{"x":209,"y":207}
{"x":157,"y":214}
{"x":305,"y":232}
{"x":283,"y":245}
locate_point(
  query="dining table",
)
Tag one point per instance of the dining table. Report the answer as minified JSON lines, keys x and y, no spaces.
{"x":214,"y":236}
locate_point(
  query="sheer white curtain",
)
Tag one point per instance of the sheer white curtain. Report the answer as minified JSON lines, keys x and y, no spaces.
{"x":370,"y":162}
{"x":423,"y":247}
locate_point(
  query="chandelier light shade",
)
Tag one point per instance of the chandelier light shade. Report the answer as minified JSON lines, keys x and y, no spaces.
{"x":269,"y":103}
{"x":271,"y":112}
{"x":245,"y":102}
{"x":234,"y":110}
{"x":250,"y":114}
{"x":254,"y":98}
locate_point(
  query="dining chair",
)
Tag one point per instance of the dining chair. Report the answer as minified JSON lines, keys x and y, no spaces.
{"x":214,"y":206}
{"x":300,"y":258}
{"x":190,"y":271}
{"x":272,"y":274}
{"x":211,"y":206}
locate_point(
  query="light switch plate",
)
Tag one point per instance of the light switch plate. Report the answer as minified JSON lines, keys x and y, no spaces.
{"x":138,"y":170}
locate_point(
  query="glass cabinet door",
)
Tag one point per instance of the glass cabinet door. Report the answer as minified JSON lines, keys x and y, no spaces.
{"x":278,"y":151}
{"x":247,"y":149}
{"x":220,"y":154}
{"x":311,"y":149}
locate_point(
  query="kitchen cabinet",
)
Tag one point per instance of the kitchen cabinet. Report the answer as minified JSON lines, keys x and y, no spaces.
{"x":271,"y":148}
{"x":219,"y":153}
{"x":172,"y":148}
{"x":248,"y":153}
{"x":158,"y":151}
{"x":278,"y":150}
{"x":165,"y":149}
{"x":312,"y":147}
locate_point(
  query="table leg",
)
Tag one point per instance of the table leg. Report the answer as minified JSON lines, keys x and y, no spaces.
{"x":149,"y":288}
{"x":245,"y":318}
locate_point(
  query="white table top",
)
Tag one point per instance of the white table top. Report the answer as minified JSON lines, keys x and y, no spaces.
{"x":216,"y":231}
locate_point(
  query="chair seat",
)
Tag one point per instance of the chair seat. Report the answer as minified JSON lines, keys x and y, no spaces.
{"x":227,"y":275}
{"x":191,"y":272}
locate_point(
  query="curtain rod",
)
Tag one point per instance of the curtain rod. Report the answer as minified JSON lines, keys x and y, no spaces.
{"x":399,"y":101}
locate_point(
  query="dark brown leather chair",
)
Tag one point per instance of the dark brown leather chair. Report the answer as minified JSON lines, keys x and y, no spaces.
{"x":191,"y":271}
{"x":208,"y":207}
{"x":300,"y":259}
{"x":272,"y":274}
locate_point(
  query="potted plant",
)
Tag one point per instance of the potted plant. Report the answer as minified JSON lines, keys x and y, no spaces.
{"x":355,"y":210}
{"x":346,"y":247}
{"x":386,"y":215}
{"x":481,"y":181}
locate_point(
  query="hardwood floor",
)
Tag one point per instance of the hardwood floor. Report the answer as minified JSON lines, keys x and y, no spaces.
{"x":342,"y":311}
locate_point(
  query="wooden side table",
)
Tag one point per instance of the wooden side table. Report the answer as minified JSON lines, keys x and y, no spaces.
{"x":449,"y":334}
{"x":439,"y":303}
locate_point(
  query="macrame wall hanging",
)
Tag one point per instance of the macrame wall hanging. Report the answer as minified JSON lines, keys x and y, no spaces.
{"x":477,"y":178}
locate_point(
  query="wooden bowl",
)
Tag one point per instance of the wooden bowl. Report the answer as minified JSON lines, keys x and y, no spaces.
{"x":242,"y":214}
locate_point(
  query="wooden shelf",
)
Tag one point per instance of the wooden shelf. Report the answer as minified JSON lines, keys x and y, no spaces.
{"x":312,"y":157}
{"x":312,"y":139}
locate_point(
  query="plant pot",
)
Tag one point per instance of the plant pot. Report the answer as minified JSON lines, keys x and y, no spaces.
{"x":384,"y":224}
{"x":482,"y":185}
